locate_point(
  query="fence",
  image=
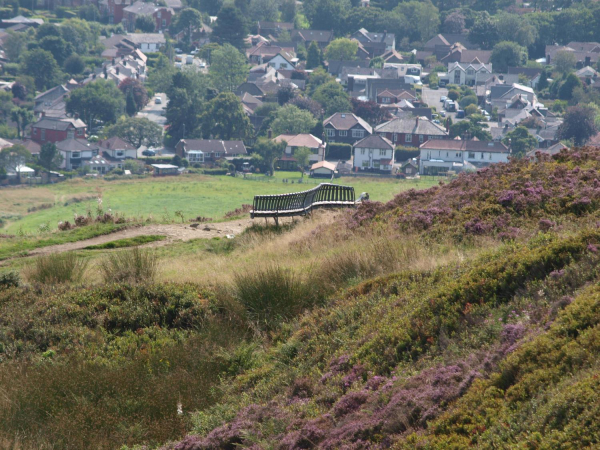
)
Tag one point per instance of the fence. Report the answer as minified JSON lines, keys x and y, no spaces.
{"x":325,"y":195}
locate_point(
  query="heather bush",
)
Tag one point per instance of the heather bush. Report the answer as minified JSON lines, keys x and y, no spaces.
{"x":134,"y":265}
{"x":9,"y":279}
{"x":56,"y":268}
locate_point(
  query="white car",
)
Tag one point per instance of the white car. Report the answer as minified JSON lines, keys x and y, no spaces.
{"x":443,"y":98}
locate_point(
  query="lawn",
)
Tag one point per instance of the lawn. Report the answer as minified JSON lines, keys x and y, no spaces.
{"x":164,"y":199}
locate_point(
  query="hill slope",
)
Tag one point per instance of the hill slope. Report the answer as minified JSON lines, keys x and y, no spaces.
{"x":495,"y":350}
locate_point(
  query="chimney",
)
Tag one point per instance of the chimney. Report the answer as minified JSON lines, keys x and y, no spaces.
{"x":43,"y":113}
{"x":118,"y":70}
{"x":417,"y":121}
{"x":113,"y":61}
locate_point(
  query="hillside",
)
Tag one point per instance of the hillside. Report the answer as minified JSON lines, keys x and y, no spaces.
{"x":463,"y":315}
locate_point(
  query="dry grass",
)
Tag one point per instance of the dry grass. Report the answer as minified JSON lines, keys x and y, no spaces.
{"x":133,"y":265}
{"x":56,"y":268}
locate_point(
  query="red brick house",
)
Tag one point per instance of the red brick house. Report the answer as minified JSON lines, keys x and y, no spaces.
{"x":113,"y":9}
{"x":411,"y":132}
{"x":54,"y":129}
{"x":161,"y":15}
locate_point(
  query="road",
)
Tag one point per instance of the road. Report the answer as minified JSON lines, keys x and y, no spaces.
{"x":432,"y":98}
{"x":154,"y":112}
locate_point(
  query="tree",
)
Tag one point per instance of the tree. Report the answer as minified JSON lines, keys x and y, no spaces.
{"x":454,"y":23}
{"x":50,"y":158}
{"x":79,"y":34}
{"x":230,"y":27}
{"x":288,"y":10}
{"x":210,"y":7}
{"x":333,"y":97}
{"x":292,"y":120}
{"x":453,"y":94}
{"x":41,"y":65}
{"x":472,"y":128}
{"x":145,"y":24}
{"x":270,"y":151}
{"x":22,"y":117}
{"x":130,"y":106}
{"x":228,"y":68}
{"x":314,"y":57}
{"x":98,"y":100}
{"x":89,"y":12}
{"x":59,"y":48}
{"x":46,"y":29}
{"x":74,"y":64}
{"x":206,"y":51}
{"x":318,"y":78}
{"x":266,"y":10}
{"x":341,"y":49}
{"x":471,"y":109}
{"x":421,"y":19}
{"x":188,"y":20}
{"x":19,"y":90}
{"x":15,"y":45}
{"x":137,"y":131}
{"x":308,"y":104}
{"x":13,"y":157}
{"x":564,"y":61}
{"x":468,"y":100}
{"x":161,"y":75}
{"x":225,"y":118}
{"x":302,"y":157}
{"x":543,"y":81}
{"x":326,"y":14}
{"x":370,"y":111}
{"x":377,"y":62}
{"x":515,"y":28}
{"x":285,"y":94}
{"x":138,"y":92}
{"x":484,"y":32}
{"x":508,"y":54}
{"x":578,"y":125}
{"x":520,"y":141}
{"x":565,"y":92}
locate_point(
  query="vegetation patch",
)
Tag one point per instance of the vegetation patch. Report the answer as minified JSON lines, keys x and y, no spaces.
{"x":127,"y":242}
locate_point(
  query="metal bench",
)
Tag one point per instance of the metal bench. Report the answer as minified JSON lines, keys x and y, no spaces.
{"x":325,"y":195}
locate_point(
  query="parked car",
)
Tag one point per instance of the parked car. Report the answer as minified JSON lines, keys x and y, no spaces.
{"x":193,"y":52}
{"x":460,"y":114}
{"x":158,"y":101}
{"x":203,"y":65}
{"x":443,"y":98}
{"x":149,"y":153}
{"x":178,"y":51}
{"x":443,"y":113}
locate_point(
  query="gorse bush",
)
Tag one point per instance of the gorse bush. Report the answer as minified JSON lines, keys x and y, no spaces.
{"x":9,"y":279}
{"x":57,"y":268}
{"x":135,"y":265}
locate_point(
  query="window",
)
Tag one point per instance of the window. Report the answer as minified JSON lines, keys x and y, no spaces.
{"x":217,"y":155}
{"x":283,"y":66}
{"x":75,"y":155}
{"x":365,"y":163}
{"x":343,"y":133}
{"x":363,"y":151}
{"x":490,"y":156}
{"x":382,"y":152}
{"x":358,"y":133}
{"x":471,"y":72}
{"x":120,"y":153}
{"x":481,"y":155}
{"x":430,"y":137}
{"x":408,"y":137}
{"x":471,"y":155}
{"x":43,"y":135}
{"x":330,"y":132}
{"x":164,"y":23}
{"x":421,"y":138}
{"x":385,"y":100}
{"x":447,"y":154}
{"x":376,"y":164}
{"x":459,"y":155}
{"x":395,"y":137}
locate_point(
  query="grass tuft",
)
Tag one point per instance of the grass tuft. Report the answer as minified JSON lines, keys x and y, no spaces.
{"x":56,"y":268}
{"x":134,"y":265}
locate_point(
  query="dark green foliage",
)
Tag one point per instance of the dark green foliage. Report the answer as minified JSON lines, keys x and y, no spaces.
{"x":9,"y":279}
{"x":145,"y":24}
{"x":230,"y":27}
{"x":406,"y":153}
{"x":336,"y":150}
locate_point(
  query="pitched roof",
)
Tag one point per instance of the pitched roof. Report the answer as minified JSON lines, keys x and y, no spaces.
{"x":374,"y":141}
{"x":300,"y":140}
{"x":411,"y":126}
{"x":58,"y":90}
{"x":313,"y":35}
{"x":234,"y":148}
{"x":345,"y":121}
{"x":75,"y":145}
{"x":143,"y":9}
{"x":324,"y":165}
{"x":49,"y":123}
{"x":464,"y":145}
{"x":146,"y":38}
{"x":228,"y":148}
{"x":115,"y":143}
{"x":529,"y":72}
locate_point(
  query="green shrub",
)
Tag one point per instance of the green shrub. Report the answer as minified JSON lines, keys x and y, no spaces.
{"x":336,"y":150}
{"x":406,"y":153}
{"x":10,"y":279}
{"x":215,"y":171}
{"x":57,"y":268}
{"x":133,"y":266}
{"x":271,"y":294}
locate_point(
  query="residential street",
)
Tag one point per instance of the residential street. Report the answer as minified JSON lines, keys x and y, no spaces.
{"x":432,"y":98}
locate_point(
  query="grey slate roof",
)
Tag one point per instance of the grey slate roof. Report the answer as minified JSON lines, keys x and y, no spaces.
{"x":411,"y":126}
{"x":345,"y":121}
{"x":374,"y":141}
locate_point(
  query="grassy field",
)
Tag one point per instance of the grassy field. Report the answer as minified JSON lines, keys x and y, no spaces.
{"x":30,"y":209}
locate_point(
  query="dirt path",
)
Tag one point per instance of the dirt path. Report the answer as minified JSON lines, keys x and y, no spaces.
{"x":173,"y":232}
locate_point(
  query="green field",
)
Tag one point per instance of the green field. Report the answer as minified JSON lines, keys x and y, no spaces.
{"x":161,"y":199}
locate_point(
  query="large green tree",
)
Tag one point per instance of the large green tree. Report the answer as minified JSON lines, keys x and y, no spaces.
{"x":13,"y":157}
{"x":472,"y":128}
{"x":50,"y":158}
{"x":22,"y":117}
{"x":484,"y":32}
{"x":230,"y":27}
{"x":578,"y":125}
{"x":270,"y":151}
{"x":520,"y":141}
{"x":314,"y":56}
{"x":421,"y":19}
{"x":228,"y":68}
{"x":42,"y":67}
{"x":187,"y":20}
{"x":225,"y":118}
{"x":508,"y":54}
{"x":137,"y":131}
{"x":292,"y":120}
{"x":333,"y":97}
{"x":138,"y":92}
{"x":99,"y":100}
{"x":341,"y":49}
{"x":59,"y":48}
{"x":145,"y":24}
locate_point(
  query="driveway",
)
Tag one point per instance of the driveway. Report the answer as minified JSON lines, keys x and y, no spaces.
{"x":432,"y":98}
{"x":153,"y":111}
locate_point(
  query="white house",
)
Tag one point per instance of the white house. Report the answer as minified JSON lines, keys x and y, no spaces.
{"x":466,"y":74}
{"x":76,"y":152}
{"x":374,"y":153}
{"x":279,"y":62}
{"x":116,"y":148}
{"x":294,"y":141}
{"x":441,"y":156}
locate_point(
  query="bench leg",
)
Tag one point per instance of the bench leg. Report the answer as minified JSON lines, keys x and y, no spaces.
{"x":277,"y":221}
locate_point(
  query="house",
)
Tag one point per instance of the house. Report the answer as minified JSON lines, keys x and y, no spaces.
{"x":405,"y":69}
{"x":101,"y":164}
{"x":263,"y":52}
{"x":306,"y":37}
{"x":146,"y":42}
{"x":551,"y":151}
{"x":392,"y":97}
{"x":323,"y":169}
{"x":48,"y":98}
{"x":519,"y":74}
{"x":502,"y":96}
{"x":587,"y":75}
{"x":335,"y":67}
{"x":161,"y":170}
{"x":346,"y":128}
{"x":374,"y":154}
{"x":249,"y":88}
{"x":458,"y":53}
{"x":586,"y":53}
{"x":454,"y":155}
{"x":209,"y":150}
{"x":117,"y":149}
{"x":441,"y":44}
{"x":52,"y":129}
{"x":375,"y":43}
{"x":282,"y":61}
{"x":250,"y":101}
{"x":274,"y":28}
{"x":409,"y":168}
{"x":465,"y":74}
{"x":161,"y":15}
{"x":373,"y":86}
{"x":76,"y":152}
{"x":113,"y":9}
{"x":294,"y":141}
{"x":392,"y":57}
{"x":33,"y":147}
{"x":410,"y":132}
{"x":20,"y":23}
{"x":118,"y":69}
